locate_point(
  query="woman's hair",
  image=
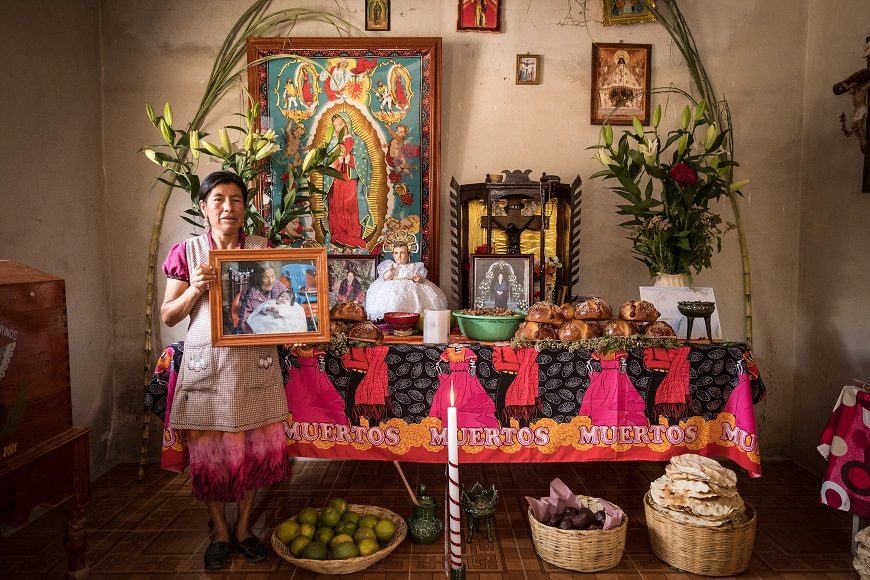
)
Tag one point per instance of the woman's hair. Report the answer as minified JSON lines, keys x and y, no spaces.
{"x":217,"y":178}
{"x":401,"y":244}
{"x":257,"y":273}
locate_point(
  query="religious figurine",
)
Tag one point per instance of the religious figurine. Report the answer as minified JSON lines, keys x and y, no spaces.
{"x":402,"y":287}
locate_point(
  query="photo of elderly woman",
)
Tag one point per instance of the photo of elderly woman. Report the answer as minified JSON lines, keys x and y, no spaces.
{"x":263,"y":285}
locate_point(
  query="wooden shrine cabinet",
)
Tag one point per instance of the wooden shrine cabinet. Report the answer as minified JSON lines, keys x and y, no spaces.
{"x":510,"y":213}
{"x":44,"y":460}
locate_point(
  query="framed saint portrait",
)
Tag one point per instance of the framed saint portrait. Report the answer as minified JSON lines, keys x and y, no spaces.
{"x":620,"y":83}
{"x":272,"y":296}
{"x":528,"y":69}
{"x":377,"y":14}
{"x":626,"y":12}
{"x":376,"y":102}
{"x":479,"y":15}
{"x":350,"y":277}
{"x":502,"y":281}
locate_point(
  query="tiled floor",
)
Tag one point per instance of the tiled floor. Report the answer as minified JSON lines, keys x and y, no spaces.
{"x":154,"y":529}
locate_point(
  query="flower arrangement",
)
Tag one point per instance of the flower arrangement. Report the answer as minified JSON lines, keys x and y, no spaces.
{"x":669,"y":185}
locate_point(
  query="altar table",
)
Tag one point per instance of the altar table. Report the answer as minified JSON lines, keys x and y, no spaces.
{"x":515,"y":405}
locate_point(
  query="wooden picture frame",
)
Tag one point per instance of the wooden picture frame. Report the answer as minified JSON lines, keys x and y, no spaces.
{"x":620,"y":83}
{"x":377,"y":14}
{"x":388,"y":92}
{"x":528,"y":69}
{"x":479,"y":15}
{"x":343,"y":289}
{"x":517,"y":271}
{"x":294,"y":309}
{"x":626,"y":12}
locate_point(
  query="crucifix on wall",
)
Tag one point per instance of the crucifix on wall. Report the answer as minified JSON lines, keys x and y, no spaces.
{"x":858,"y":85}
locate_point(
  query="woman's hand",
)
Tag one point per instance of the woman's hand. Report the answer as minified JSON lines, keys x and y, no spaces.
{"x":203,"y":275}
{"x":416,"y":277}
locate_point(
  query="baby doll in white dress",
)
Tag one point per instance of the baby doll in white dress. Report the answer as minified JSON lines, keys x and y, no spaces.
{"x":283,"y":314}
{"x":402,"y":286}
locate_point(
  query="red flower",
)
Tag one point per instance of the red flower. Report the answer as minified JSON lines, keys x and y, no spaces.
{"x":395,"y":177}
{"x":684,"y":175}
{"x":406,"y":198}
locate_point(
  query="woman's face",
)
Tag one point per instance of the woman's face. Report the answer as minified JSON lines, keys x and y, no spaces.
{"x":268,"y":280}
{"x":501,"y":278}
{"x":224,"y":208}
{"x":338,"y":123}
{"x":350,"y":276}
{"x":401,"y":255}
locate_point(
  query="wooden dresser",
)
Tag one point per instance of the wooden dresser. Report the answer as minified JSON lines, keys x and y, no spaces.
{"x":44,"y":460}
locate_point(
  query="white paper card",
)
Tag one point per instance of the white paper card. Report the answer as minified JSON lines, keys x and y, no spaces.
{"x":665,"y":300}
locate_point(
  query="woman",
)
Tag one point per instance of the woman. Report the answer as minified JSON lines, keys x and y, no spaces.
{"x":348,"y":205}
{"x":350,"y":290}
{"x":263,"y":285}
{"x":229,"y":403}
{"x":500,"y":291}
{"x":402,"y":287}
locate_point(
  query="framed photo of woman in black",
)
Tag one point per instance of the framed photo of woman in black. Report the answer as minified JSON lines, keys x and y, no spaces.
{"x":501,"y":281}
{"x":350,"y":277}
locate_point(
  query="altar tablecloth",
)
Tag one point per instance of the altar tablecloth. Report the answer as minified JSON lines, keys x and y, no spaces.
{"x":845,"y":443}
{"x":514,"y":405}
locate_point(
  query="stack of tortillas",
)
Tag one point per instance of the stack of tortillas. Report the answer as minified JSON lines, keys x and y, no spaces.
{"x":862,"y":556}
{"x":698,"y":490}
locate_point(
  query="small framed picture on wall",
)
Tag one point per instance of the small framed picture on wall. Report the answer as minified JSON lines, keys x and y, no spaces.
{"x":528,"y":69}
{"x":479,"y":15}
{"x":620,"y":83}
{"x":377,"y":14}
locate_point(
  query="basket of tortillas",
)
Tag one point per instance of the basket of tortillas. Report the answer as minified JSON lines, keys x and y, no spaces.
{"x":697,"y":521}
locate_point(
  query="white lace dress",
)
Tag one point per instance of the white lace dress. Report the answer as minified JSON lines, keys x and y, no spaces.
{"x":402,"y":294}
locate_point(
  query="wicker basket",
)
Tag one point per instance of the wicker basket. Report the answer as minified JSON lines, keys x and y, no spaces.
{"x":708,"y":551}
{"x":580,"y":550}
{"x":351,"y":564}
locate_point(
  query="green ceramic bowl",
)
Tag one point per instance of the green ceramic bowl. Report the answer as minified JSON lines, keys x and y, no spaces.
{"x":488,"y":328}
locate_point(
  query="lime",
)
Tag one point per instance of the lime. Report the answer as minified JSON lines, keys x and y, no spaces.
{"x":338,"y":503}
{"x":345,"y":527}
{"x":368,"y":547}
{"x":345,"y":550}
{"x":369,"y":521}
{"x":324,"y":534}
{"x":298,"y":544}
{"x":287,"y":531}
{"x":340,"y":539}
{"x":307,"y":515}
{"x":385,"y":530}
{"x":363,"y":533}
{"x":314,"y":551}
{"x":307,"y":530}
{"x":329,"y":517}
{"x":351,"y":516}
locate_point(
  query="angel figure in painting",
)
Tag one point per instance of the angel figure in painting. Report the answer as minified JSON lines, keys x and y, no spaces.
{"x":402,"y":287}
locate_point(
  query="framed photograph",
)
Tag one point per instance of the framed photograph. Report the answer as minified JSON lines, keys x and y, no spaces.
{"x":383,"y":98}
{"x":626,"y":12}
{"x":620,"y":83}
{"x":479,"y":15}
{"x":274,"y":296}
{"x":377,"y":14}
{"x":528,"y":69}
{"x":350,"y":277}
{"x":665,"y":300}
{"x":502,"y":281}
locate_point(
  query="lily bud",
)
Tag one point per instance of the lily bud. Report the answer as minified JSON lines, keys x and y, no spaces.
{"x":249,"y":141}
{"x":712,"y":133}
{"x":702,"y":108}
{"x":270,"y":135}
{"x":657,"y":117}
{"x":212,"y":149}
{"x":309,"y":158}
{"x":165,"y":131}
{"x":266,"y":150}
{"x":167,"y":113}
{"x":605,"y":159}
{"x":638,"y":127}
{"x":687,"y":117}
{"x":737,"y":185}
{"x":194,"y":144}
{"x":607,"y":134}
{"x":149,"y":110}
{"x":150,"y":154}
{"x":225,"y":140}
{"x":682,"y":143}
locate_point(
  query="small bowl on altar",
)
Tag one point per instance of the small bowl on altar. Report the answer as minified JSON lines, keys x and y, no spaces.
{"x":696,"y":308}
{"x":402,"y":322}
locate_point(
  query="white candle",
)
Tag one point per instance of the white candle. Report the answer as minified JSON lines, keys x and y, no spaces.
{"x":453,"y":484}
{"x":436,"y":326}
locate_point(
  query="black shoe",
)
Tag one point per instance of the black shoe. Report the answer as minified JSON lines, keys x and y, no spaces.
{"x":216,"y":555}
{"x":251,"y":548}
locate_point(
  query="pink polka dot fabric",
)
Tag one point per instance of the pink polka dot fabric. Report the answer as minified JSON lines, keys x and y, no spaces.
{"x":845,"y":443}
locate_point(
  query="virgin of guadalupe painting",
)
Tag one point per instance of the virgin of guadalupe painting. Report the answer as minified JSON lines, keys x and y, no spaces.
{"x":377,"y":108}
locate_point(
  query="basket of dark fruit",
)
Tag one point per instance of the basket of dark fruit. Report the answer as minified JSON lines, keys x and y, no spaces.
{"x":575,"y":539}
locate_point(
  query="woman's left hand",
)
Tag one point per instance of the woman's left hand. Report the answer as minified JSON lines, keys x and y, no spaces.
{"x":416,"y":277}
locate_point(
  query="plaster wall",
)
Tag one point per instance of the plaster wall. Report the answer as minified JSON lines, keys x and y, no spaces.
{"x":832,"y":336}
{"x":53,"y":215}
